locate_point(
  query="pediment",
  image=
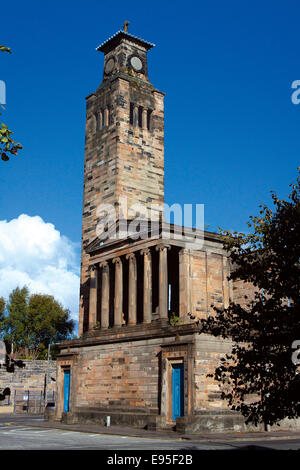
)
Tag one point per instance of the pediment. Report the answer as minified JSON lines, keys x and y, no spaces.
{"x":125,"y":231}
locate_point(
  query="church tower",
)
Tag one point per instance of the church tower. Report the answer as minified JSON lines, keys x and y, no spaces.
{"x":124,"y":145}
{"x":139,"y":357}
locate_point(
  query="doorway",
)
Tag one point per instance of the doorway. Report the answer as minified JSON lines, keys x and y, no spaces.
{"x":178,"y":390}
{"x":66,"y":390}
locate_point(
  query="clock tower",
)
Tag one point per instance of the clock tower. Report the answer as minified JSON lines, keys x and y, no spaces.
{"x":124,"y":145}
{"x":139,"y":357}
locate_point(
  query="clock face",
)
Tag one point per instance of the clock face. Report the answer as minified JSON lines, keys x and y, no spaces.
{"x":109,"y":65}
{"x":136,"y":63}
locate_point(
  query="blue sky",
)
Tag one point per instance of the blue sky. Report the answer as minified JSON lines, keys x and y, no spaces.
{"x":231,"y":131}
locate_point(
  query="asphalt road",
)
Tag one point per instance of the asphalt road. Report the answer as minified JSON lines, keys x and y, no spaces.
{"x":14,"y":435}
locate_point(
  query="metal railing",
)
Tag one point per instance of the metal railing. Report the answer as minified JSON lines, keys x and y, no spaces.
{"x":32,"y":401}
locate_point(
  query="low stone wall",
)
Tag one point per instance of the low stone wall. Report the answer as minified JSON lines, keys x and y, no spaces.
{"x":31,"y":377}
{"x":90,"y":416}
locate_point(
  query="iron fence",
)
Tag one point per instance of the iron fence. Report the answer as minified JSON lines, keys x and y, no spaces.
{"x":32,"y":401}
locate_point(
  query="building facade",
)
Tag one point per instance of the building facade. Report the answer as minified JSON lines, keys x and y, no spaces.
{"x":140,"y":358}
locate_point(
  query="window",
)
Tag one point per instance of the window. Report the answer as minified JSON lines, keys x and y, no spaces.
{"x":140,"y":116}
{"x":131,"y":113}
{"x":149,"y":119}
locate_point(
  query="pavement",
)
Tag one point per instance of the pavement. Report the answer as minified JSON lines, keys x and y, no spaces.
{"x":32,"y":432}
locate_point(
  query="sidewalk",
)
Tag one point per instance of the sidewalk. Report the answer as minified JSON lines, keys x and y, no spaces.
{"x":142,"y":433}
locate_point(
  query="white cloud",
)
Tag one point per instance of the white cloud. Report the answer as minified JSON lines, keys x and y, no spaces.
{"x":34,"y":253}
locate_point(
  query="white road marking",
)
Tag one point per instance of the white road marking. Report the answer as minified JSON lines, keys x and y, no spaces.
{"x":37,"y":431}
{"x":17,"y":429}
{"x":67,"y":432}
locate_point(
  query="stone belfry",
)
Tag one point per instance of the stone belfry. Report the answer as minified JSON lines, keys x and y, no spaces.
{"x":124,"y":145}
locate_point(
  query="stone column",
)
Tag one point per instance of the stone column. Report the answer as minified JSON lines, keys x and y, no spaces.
{"x":132,"y":292}
{"x":118,"y":301}
{"x":135,"y":115}
{"x":106,"y":116}
{"x":225,"y":282}
{"x":147,"y":298}
{"x":144,"y":118}
{"x":105,"y":295}
{"x":184,"y":283}
{"x":100,"y":120}
{"x":163,"y":281}
{"x":93,"y":296}
{"x":230,"y":282}
{"x":230,"y":291}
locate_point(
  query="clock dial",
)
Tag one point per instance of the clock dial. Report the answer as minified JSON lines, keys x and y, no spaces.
{"x":109,"y":65}
{"x":136,"y":63}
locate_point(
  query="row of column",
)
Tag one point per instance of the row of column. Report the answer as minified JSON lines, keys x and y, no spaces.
{"x":132,"y":289}
{"x":100,"y":119}
{"x":103,"y":118}
{"x":140,"y":116}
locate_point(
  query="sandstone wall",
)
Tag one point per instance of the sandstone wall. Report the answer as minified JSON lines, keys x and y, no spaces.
{"x":207,"y":283}
{"x":207,"y":391}
{"x":32,"y":377}
{"x":119,"y":376}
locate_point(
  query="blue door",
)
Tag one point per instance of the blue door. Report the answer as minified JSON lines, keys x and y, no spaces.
{"x":178,"y":390}
{"x":66,"y":389}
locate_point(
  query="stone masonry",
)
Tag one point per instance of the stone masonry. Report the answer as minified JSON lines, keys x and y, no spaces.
{"x":31,"y":377}
{"x":124,"y":150}
{"x":140,"y":358}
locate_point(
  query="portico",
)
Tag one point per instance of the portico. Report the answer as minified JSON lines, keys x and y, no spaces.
{"x":129,"y":276}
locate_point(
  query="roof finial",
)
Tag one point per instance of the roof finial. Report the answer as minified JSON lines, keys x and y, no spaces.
{"x":125,"y":26}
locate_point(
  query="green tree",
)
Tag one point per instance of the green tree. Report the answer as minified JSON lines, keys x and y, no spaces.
{"x":49,"y":323}
{"x":33,"y":322}
{"x":7,"y":144}
{"x":15,"y":324}
{"x":265,"y":327}
{"x":2,"y":308}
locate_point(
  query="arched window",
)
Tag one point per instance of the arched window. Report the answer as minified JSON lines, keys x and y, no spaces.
{"x":140,"y":116}
{"x":131,"y":113}
{"x":149,"y":119}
